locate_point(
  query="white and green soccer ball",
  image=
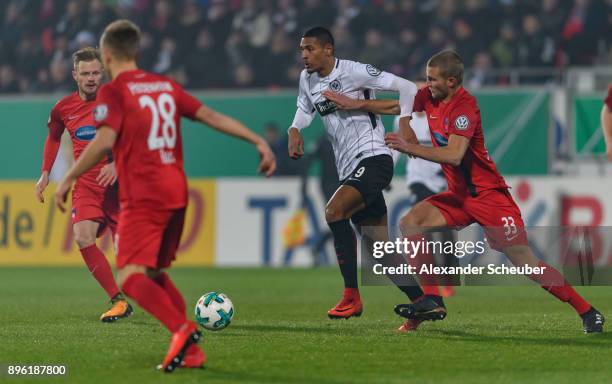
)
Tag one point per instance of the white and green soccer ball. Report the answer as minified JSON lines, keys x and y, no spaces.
{"x":214,"y":311}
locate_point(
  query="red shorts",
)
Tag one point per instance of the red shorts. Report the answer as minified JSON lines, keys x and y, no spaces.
{"x":149,"y":237}
{"x":494,"y":210}
{"x":89,"y":204}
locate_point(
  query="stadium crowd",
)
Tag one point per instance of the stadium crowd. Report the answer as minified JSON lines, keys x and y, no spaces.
{"x":253,"y":43}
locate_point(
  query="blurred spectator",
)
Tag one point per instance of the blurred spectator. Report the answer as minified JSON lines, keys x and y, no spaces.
{"x":251,"y":43}
{"x":72,"y":21}
{"x":344,"y":42}
{"x":504,"y":49}
{"x":254,"y":22}
{"x":316,"y":12}
{"x":99,"y":15}
{"x":285,"y":166}
{"x":280,"y":56}
{"x":376,"y":50}
{"x":8,"y":80}
{"x":60,"y":72}
{"x":535,"y":49}
{"x":285,"y":17}
{"x":466,"y":42}
{"x":582,"y":31}
{"x":243,"y":76}
{"x":166,"y":59}
{"x":480,"y":75}
{"x":436,"y":42}
{"x":206,"y":64}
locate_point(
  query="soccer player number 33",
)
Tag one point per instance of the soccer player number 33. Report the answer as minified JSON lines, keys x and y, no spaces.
{"x":509,"y":227}
{"x":164,"y":110}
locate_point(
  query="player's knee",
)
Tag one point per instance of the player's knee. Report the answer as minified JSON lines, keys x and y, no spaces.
{"x":84,"y":239}
{"x":124,"y":273}
{"x":333,"y":214}
{"x":410,"y":223}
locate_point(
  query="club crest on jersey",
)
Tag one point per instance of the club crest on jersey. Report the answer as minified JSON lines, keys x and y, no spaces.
{"x":100,"y":112}
{"x":86,"y":133}
{"x":335,"y":86}
{"x":462,"y":123}
{"x":372,"y":70}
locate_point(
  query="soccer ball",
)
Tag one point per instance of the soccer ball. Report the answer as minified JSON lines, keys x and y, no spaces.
{"x":214,"y":311}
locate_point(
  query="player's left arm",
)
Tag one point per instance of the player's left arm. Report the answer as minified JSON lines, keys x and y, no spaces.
{"x":233,"y":127}
{"x":92,"y":155}
{"x":606,"y":125}
{"x":451,"y":154}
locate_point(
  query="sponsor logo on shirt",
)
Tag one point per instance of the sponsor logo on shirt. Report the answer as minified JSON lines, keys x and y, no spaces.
{"x":326,"y":107}
{"x":86,"y":133}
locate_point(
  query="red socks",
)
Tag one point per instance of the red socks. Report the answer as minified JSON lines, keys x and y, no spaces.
{"x":552,"y":281}
{"x":163,"y":280}
{"x":100,"y":269}
{"x":154,"y":299}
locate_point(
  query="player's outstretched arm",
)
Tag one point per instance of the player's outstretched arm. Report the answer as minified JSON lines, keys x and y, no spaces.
{"x":379,"y":107}
{"x":51,"y":148}
{"x":451,"y":154}
{"x":233,"y":127}
{"x":606,"y":125}
{"x":93,"y":153}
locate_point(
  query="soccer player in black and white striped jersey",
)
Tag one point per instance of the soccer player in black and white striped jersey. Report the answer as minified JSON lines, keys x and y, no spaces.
{"x":364,"y":163}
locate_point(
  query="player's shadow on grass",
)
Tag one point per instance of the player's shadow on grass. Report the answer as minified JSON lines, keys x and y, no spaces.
{"x":596,"y":340}
{"x":329,"y":328}
{"x":263,"y":377}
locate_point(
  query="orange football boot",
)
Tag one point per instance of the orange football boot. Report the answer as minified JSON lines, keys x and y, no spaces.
{"x":120,"y":309}
{"x":181,"y":340}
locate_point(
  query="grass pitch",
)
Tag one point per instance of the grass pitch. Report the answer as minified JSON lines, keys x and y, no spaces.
{"x":281,"y":334}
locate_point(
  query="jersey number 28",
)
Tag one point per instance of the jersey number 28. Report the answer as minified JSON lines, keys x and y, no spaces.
{"x":162,"y":116}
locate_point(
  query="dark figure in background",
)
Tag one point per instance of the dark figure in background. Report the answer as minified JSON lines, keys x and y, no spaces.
{"x":322,"y":152}
{"x":278,"y":143}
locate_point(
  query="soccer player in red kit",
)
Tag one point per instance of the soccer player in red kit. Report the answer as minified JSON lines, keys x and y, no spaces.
{"x":606,"y":122}
{"x":476,"y":190}
{"x":138,"y":117}
{"x":95,"y":201}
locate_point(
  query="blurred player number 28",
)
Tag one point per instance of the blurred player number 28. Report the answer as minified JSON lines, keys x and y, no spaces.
{"x":164,"y":109}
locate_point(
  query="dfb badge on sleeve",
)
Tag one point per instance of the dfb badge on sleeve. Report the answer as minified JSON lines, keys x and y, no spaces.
{"x":462,"y":123}
{"x":100,"y":112}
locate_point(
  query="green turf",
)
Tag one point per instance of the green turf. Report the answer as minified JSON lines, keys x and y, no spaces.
{"x":281,"y":334}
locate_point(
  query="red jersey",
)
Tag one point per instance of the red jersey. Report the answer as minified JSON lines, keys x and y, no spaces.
{"x":608,"y":100}
{"x":144,"y":109}
{"x":461,"y":116}
{"x":75,"y":115}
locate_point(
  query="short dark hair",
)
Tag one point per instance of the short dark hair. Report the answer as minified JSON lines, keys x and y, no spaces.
{"x":323,"y":35}
{"x":85,"y":54}
{"x":122,"y":38}
{"x":449,"y":63}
